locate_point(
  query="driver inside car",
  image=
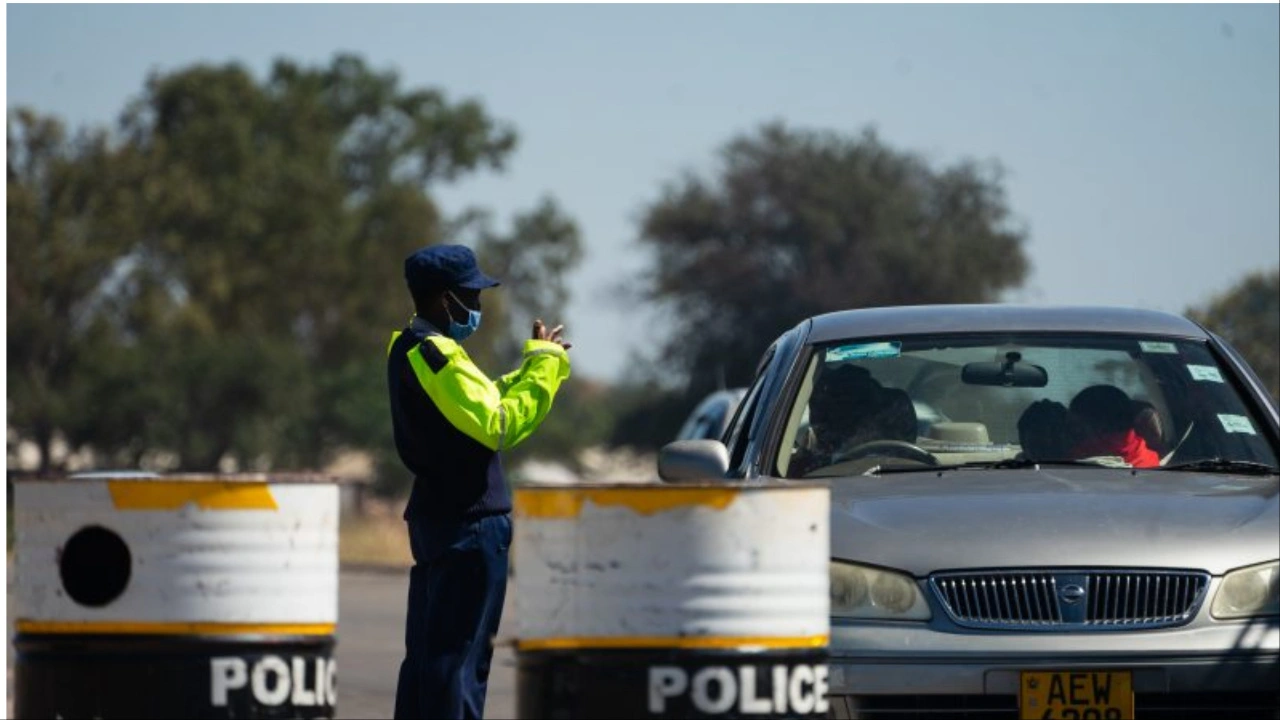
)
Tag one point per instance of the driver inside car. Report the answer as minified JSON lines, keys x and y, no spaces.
{"x":849,"y":408}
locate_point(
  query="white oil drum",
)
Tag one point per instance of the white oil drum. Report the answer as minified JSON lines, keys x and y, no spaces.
{"x":175,"y":596}
{"x":672,"y":600}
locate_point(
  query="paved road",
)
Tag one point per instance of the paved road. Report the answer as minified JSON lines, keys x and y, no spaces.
{"x":371,"y":643}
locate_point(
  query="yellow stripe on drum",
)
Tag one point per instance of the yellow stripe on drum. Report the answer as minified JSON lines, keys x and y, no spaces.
{"x":62,"y":627}
{"x":566,"y":504}
{"x":680,"y":643}
{"x":160,"y":495}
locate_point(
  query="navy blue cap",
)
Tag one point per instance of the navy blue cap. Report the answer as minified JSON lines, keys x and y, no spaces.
{"x":443,"y":267}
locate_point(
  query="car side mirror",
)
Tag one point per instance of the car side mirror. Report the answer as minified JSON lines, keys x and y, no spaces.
{"x":687,"y":461}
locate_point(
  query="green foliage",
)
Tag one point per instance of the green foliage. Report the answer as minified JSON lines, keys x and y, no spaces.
{"x":1248,"y":316}
{"x":533,"y":260}
{"x":798,"y":223}
{"x":582,"y":417}
{"x":221,"y":279}
{"x":69,"y":221}
{"x":277,"y":221}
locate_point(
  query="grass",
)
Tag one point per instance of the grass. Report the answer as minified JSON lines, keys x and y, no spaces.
{"x":374,"y":540}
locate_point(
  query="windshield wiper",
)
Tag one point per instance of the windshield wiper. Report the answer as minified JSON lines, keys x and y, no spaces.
{"x":1005,"y":464}
{"x":896,"y":469}
{"x":1018,"y":464}
{"x":1223,"y":465}
{"x":1012,"y":463}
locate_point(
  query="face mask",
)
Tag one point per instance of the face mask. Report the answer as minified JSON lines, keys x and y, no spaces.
{"x":459,"y":331}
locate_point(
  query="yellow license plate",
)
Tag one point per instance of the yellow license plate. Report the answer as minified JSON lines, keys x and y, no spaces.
{"x":1076,"y":695}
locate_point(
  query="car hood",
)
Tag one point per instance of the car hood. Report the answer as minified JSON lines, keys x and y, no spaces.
{"x":1055,"y":517}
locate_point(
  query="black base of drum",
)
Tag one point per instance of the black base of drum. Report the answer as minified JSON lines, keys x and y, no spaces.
{"x":155,"y":676}
{"x":671,"y":684}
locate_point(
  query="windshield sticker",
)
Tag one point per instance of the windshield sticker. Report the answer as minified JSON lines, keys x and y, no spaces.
{"x":1205,"y":372}
{"x":1164,"y":348}
{"x":1236,"y":424}
{"x":866,"y":350}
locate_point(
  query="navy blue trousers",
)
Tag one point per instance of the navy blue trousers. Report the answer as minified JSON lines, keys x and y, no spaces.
{"x":456,"y":591}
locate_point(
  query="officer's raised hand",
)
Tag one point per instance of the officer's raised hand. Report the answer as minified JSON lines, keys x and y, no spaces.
{"x":554,"y":335}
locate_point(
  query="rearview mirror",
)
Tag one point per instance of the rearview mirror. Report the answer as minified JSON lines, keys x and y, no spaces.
{"x":1010,"y":373}
{"x":693,"y":461}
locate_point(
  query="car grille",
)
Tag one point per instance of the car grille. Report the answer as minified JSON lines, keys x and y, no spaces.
{"x":1071,"y":599}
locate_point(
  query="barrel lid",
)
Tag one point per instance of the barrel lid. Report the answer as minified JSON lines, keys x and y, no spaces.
{"x":315,"y":478}
{"x":735,"y":486}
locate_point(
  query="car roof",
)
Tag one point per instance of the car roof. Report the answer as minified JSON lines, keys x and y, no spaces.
{"x":931,"y":319}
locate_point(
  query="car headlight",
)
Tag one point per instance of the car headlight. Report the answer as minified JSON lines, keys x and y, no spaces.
{"x":1248,"y":592}
{"x":867,"y":593}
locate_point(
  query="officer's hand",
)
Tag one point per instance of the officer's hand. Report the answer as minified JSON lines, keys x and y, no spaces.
{"x":540,"y":332}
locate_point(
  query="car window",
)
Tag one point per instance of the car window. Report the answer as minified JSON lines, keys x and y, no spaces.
{"x":949,"y":400}
{"x":706,"y":420}
{"x":736,"y":436}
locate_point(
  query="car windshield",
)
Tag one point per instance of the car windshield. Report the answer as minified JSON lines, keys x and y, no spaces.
{"x":897,"y":404}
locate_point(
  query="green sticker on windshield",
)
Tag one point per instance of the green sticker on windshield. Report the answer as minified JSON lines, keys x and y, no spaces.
{"x":1164,"y":348}
{"x":1236,"y":424}
{"x":865,"y":350}
{"x":1205,"y":372}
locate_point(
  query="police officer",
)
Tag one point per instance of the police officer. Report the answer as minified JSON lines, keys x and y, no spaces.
{"x":451,"y":424}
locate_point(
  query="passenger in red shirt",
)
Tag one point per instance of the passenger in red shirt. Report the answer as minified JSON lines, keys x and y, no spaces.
{"x":1108,"y":413}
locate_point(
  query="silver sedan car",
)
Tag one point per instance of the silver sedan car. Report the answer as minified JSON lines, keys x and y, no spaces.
{"x":1088,"y":526}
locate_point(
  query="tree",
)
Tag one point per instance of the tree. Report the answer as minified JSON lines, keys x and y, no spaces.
{"x":70,"y":219}
{"x":234,"y":256}
{"x":798,"y":223}
{"x":279,"y":216}
{"x":1248,"y":315}
{"x":533,"y":260}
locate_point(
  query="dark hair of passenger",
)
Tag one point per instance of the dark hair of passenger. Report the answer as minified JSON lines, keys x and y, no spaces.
{"x":1106,"y":408}
{"x":1045,"y":430}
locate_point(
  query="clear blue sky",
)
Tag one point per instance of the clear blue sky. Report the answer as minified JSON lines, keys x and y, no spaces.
{"x":1142,"y":142}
